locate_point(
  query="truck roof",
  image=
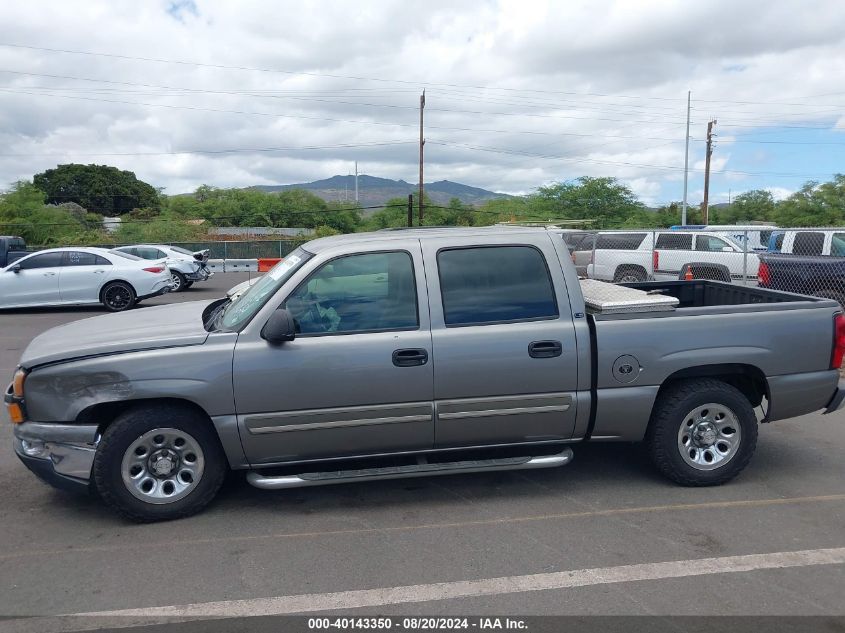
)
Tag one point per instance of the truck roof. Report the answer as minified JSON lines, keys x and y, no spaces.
{"x":421,"y":233}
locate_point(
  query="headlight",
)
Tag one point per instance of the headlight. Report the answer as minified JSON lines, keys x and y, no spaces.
{"x":17,"y":382}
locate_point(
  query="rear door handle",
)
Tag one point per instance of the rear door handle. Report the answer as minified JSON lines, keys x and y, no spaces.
{"x":410,"y":357}
{"x":545,"y":349}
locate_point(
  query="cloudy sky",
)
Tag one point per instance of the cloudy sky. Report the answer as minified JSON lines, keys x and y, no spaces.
{"x":518,"y":94}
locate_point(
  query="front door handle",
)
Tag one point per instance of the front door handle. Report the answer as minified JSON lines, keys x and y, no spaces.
{"x":410,"y":357}
{"x":49,"y":274}
{"x":545,"y":349}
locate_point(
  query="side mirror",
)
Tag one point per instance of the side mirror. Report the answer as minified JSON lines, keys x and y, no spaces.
{"x":279,"y":328}
{"x":16,"y":268}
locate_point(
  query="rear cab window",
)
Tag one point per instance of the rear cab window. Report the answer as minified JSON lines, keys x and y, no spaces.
{"x":495,"y":284}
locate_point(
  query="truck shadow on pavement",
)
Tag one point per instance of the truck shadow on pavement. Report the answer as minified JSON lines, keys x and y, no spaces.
{"x":599,"y":471}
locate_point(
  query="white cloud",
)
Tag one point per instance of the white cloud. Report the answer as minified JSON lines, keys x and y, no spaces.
{"x":353,"y":75}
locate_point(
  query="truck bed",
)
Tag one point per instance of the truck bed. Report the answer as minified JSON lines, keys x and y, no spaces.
{"x":701,"y":293}
{"x":782,"y":339}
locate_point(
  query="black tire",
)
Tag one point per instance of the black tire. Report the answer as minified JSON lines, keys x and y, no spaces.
{"x":130,"y":427}
{"x":188,"y":284}
{"x":674,"y":408}
{"x":118,"y":296}
{"x":178,"y":280}
{"x":629,"y":274}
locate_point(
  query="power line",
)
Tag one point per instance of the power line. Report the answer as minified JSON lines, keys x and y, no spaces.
{"x":521,"y":90}
{"x":607,"y":162}
{"x":221,"y":151}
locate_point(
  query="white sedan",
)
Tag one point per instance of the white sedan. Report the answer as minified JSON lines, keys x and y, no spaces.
{"x":186,"y":267}
{"x":81,"y":276}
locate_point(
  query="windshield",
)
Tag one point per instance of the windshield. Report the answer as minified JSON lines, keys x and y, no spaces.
{"x":242,"y":309}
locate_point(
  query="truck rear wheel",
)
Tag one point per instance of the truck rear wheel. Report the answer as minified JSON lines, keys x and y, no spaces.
{"x":157,"y":463}
{"x":702,"y":432}
{"x":629,"y":274}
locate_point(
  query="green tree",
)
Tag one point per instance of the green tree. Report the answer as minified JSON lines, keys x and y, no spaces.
{"x":814,"y":205}
{"x":23,"y":212}
{"x":100,"y":188}
{"x":604,"y":201}
{"x":757,"y":205}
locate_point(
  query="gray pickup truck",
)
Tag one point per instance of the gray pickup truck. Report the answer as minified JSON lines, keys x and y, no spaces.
{"x":416,"y":352}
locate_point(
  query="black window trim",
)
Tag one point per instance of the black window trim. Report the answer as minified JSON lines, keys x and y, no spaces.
{"x":501,"y":321}
{"x":415,"y":328}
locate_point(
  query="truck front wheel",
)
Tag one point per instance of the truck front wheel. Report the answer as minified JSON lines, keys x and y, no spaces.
{"x":156,"y":463}
{"x":702,"y":432}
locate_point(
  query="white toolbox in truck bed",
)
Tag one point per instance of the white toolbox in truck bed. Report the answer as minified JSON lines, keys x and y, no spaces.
{"x":602,"y":297}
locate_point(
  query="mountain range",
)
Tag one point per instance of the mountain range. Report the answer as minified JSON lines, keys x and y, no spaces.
{"x":374,"y":191}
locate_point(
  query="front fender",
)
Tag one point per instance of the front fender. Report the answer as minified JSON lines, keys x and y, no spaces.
{"x":201,"y":374}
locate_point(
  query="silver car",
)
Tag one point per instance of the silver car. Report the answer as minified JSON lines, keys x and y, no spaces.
{"x":186,"y":267}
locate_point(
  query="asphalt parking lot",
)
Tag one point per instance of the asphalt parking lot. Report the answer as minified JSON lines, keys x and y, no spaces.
{"x":649,"y":547}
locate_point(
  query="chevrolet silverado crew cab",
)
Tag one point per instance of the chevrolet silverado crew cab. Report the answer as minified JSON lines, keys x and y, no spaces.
{"x":416,"y":352}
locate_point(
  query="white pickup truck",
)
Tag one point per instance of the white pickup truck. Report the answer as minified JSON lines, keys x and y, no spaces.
{"x":628,"y":257}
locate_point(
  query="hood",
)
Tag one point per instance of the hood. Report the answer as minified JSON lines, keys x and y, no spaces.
{"x":236,"y":291}
{"x":174,"y":325}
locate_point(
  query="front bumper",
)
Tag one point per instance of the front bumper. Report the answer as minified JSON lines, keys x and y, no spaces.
{"x":837,"y":400}
{"x":60,"y":454}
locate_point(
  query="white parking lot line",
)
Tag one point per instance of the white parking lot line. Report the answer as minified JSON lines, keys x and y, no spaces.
{"x":343,"y":600}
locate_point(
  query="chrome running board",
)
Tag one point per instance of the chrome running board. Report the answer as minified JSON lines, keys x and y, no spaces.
{"x":270,"y":482}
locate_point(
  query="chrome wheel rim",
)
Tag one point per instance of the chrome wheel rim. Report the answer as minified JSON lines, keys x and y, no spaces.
{"x":176,"y":282}
{"x":118,"y":297}
{"x":628,"y":279}
{"x":162,"y":466}
{"x":709,"y":436}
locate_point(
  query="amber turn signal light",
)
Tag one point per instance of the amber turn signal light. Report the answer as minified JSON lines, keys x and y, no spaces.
{"x":15,"y":413}
{"x":17,"y":383}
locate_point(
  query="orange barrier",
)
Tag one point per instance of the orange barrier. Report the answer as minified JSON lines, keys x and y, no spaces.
{"x":266,"y":263}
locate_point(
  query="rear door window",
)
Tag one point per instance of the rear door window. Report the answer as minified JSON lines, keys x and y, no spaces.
{"x":808,"y":243}
{"x":147,"y":252}
{"x":620,"y":241}
{"x":674,"y":242}
{"x":501,"y":284}
{"x":81,"y":258}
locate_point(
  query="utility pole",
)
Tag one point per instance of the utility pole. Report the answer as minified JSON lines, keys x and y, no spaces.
{"x":422,"y":143}
{"x":356,"y":182}
{"x":706,"y":203}
{"x":410,"y":210}
{"x":686,"y":164}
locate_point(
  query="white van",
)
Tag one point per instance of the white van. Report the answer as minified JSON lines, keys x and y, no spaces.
{"x":757,"y":234}
{"x":809,"y":242}
{"x":630,"y":256}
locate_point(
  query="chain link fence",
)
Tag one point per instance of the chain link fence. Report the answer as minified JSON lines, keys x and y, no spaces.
{"x":233,"y":249}
{"x":807,"y":260}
